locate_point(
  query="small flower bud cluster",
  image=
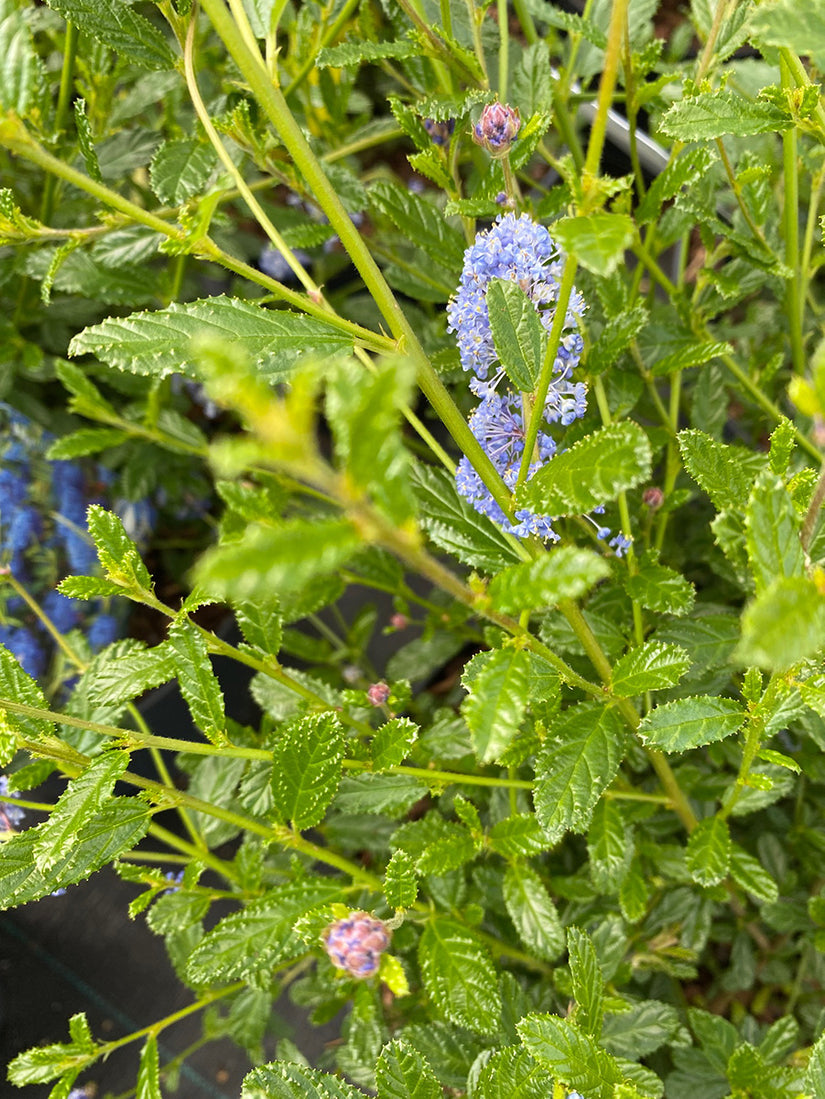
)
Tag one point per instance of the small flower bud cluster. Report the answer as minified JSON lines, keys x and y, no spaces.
{"x":378,"y":693}
{"x":439,"y":132}
{"x":356,"y":943}
{"x":497,"y":128}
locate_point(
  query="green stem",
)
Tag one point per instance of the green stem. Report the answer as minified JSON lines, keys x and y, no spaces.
{"x":673,"y":461}
{"x":503,"y":48}
{"x":795,"y":294}
{"x":735,"y":186}
{"x":475,"y":26}
{"x":275,"y":107}
{"x":220,"y":866}
{"x":155,"y":1028}
{"x":607,"y":86}
{"x":63,"y":98}
{"x":710,"y":44}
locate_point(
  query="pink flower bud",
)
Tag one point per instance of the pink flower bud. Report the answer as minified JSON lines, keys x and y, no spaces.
{"x":378,"y":693}
{"x":653,"y":498}
{"x":497,"y":128}
{"x":399,"y":621}
{"x":356,"y":943}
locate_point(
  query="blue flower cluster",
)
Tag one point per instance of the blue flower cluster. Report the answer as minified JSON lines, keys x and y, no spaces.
{"x":43,"y":536}
{"x":516,"y":248}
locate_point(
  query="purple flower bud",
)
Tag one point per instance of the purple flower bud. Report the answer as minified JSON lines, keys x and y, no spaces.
{"x":497,"y":128}
{"x":356,"y":943}
{"x":653,"y":497}
{"x":378,"y":693}
{"x":440,"y":132}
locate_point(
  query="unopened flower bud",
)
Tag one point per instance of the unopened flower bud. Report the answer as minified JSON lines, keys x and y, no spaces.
{"x":378,"y":693}
{"x":440,"y":132}
{"x":399,"y":621}
{"x":497,"y":128}
{"x":653,"y":497}
{"x":356,"y":943}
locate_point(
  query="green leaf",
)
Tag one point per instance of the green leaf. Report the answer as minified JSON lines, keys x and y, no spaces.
{"x":532,"y":87}
{"x":306,"y":768}
{"x":80,"y":801}
{"x":653,"y":666}
{"x":640,"y":1029}
{"x":587,"y":981}
{"x":579,"y":759}
{"x":784,"y":625}
{"x":158,"y":343}
{"x":379,"y":793}
{"x":455,"y":526}
{"x":85,"y":140}
{"x":448,"y":852}
{"x":400,"y":881}
{"x":19,"y":686}
{"x":459,"y":976}
{"x":533,"y":914}
{"x":261,"y":935}
{"x":572,"y":1056}
{"x":364,"y":411}
{"x":421,"y":221}
{"x":519,"y":336}
{"x":564,"y":573}
{"x":148,"y":1079}
{"x":691,"y":723}
{"x":511,"y":1073}
{"x":609,"y":848}
{"x":708,"y":851}
{"x":198,"y":683}
{"x":681,"y":171}
{"x":403,"y":1073}
{"x":726,"y":473}
{"x":660,"y":589}
{"x":20,"y":70}
{"x":360,"y":51}
{"x":709,"y":115}
{"x":773,"y":530}
{"x":518,"y":836}
{"x":260,"y":624}
{"x":815,"y":1071}
{"x":44,"y":1063}
{"x":495,"y":706}
{"x":180,"y":168}
{"x":598,"y":241}
{"x":120,"y":674}
{"x":391,"y":744}
{"x":120,"y":28}
{"x":87,"y":400}
{"x":282,"y":559}
{"x":615,"y":338}
{"x":285,"y":1080}
{"x":798,"y":25}
{"x":117,"y":553}
{"x":88,"y":440}
{"x":592,"y":472}
{"x":752,"y":876}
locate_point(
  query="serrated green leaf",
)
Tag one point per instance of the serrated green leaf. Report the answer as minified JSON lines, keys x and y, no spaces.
{"x":148,"y":1078}
{"x":459,"y":976}
{"x":17,"y":685}
{"x":598,"y":241}
{"x":120,"y":28}
{"x":518,"y":836}
{"x":421,"y":221}
{"x":260,"y":624}
{"x":87,"y":398}
{"x":773,"y":530}
{"x":180,"y":168}
{"x":511,"y":1073}
{"x":653,"y":666}
{"x":572,"y":1056}
{"x":117,"y":553}
{"x":815,"y":1070}
{"x":564,"y":573}
{"x":709,"y":639}
{"x":726,"y":473}
{"x":400,"y":881}
{"x":448,"y":852}
{"x":533,"y":913}
{"x":784,"y":625}
{"x":709,"y":115}
{"x":454,"y":524}
{"x":306,"y":768}
{"x":177,"y":911}
{"x":691,"y":723}
{"x":44,"y":1063}
{"x":608,"y":846}
{"x":798,"y":25}
{"x":532,"y":87}
{"x":403,"y":1073}
{"x":360,"y":51}
{"x":587,"y":981}
{"x":682,"y":171}
{"x":124,"y":675}
{"x":392,"y":742}
{"x":518,"y":335}
{"x":615,"y":338}
{"x":708,"y":851}
{"x":364,"y":411}
{"x":641,"y":1029}
{"x":199,"y":685}
{"x":282,"y":559}
{"x":286,"y":1080}
{"x":579,"y":759}
{"x":261,"y":935}
{"x":157,"y":343}
{"x":752,"y":876}
{"x":592,"y":472}
{"x":88,"y":440}
{"x":496,"y":704}
{"x":660,"y":589}
{"x":379,"y":793}
{"x":21,"y":68}
{"x":85,"y":140}
{"x":81,"y":800}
